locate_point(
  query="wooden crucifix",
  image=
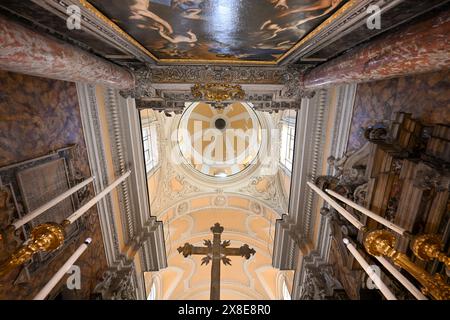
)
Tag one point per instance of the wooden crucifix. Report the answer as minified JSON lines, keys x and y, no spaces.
{"x":216,"y":251}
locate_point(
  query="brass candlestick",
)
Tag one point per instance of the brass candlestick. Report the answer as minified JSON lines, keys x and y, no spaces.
{"x":44,"y":238}
{"x":428,"y":247}
{"x":382,"y":243}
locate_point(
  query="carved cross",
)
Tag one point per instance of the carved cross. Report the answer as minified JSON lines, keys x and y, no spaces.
{"x":216,"y":251}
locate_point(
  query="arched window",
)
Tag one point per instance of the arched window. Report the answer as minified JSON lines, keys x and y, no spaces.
{"x":152,"y":294}
{"x":150,"y":140}
{"x":286,"y":293}
{"x":287,"y":141}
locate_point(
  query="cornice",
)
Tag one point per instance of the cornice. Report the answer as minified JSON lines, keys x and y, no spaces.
{"x":100,"y":26}
{"x":341,"y":125}
{"x":297,"y":227}
{"x":350,"y":16}
{"x":143,"y":233}
{"x":97,"y":162}
{"x":268,"y":89}
{"x":119,"y":160}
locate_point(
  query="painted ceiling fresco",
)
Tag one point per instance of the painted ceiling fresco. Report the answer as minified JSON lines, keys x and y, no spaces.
{"x":246,"y":30}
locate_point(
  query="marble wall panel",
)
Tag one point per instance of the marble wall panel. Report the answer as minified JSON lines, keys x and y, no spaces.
{"x":426,"y":96}
{"x":38,"y":116}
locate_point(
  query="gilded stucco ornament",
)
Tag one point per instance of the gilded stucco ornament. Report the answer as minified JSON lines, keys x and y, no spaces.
{"x":168,"y":88}
{"x":217,"y":92}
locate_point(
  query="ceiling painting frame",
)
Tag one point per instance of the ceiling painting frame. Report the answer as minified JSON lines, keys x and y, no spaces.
{"x":344,"y":27}
{"x":89,"y":8}
{"x":107,"y":30}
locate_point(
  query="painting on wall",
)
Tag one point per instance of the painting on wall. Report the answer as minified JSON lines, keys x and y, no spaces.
{"x":251,"y":30}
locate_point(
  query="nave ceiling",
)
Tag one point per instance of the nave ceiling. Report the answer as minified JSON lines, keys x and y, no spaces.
{"x":190,"y":199}
{"x":175,"y":32}
{"x":155,"y":40}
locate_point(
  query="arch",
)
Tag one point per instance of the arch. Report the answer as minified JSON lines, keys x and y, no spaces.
{"x":155,"y":288}
{"x":264,"y":206}
{"x":284,"y":285}
{"x":245,"y":278}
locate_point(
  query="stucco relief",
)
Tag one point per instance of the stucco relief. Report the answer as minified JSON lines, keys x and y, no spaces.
{"x":266,"y":189}
{"x":188,"y":279}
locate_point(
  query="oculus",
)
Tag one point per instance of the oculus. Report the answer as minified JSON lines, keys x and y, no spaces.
{"x":219,"y":142}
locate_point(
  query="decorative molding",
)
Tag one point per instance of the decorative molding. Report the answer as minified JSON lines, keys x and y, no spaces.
{"x":218,"y":74}
{"x":97,"y":163}
{"x":343,"y":116}
{"x":119,"y":160}
{"x":352,"y":18}
{"x":319,"y":283}
{"x":268,"y":89}
{"x":295,"y":227}
{"x":116,"y":285}
{"x":334,"y":28}
{"x":333,"y":33}
{"x":144,"y":233}
{"x":344,"y":112}
{"x":272,"y":193}
{"x":316,"y":258}
{"x":317,"y":158}
{"x":100,"y":26}
{"x":148,"y":231}
{"x":166,"y":196}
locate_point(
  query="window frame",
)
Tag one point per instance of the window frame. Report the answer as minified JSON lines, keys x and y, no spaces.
{"x":152,"y":296}
{"x":288,"y":128}
{"x":285,"y":291}
{"x":149,"y":128}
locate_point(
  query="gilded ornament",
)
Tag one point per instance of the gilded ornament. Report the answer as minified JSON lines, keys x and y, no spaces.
{"x":44,"y":238}
{"x":428,"y":247}
{"x":218,"y":92}
{"x":382,"y":243}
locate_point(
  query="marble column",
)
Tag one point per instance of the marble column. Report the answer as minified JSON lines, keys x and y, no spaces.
{"x":414,"y":48}
{"x":23,"y":50}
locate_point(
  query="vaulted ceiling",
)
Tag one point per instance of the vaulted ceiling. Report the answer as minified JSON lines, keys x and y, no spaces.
{"x":189,"y":200}
{"x":245,"y":222}
{"x":231,"y":32}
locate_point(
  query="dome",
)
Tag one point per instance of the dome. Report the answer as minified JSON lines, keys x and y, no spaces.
{"x":219,"y":142}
